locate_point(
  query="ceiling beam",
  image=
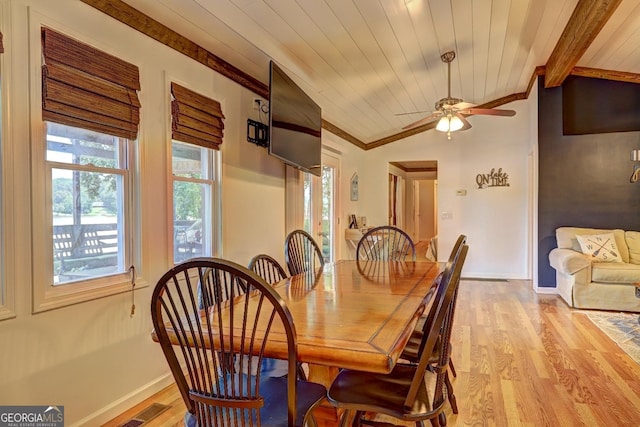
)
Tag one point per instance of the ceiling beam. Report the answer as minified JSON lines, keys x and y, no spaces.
{"x":621,"y":76}
{"x":587,"y":19}
{"x":343,"y":134}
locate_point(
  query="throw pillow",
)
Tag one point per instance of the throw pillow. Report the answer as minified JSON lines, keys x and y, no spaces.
{"x":600,"y":247}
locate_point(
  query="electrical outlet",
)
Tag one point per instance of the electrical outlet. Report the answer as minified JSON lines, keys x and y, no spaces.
{"x":256,"y":103}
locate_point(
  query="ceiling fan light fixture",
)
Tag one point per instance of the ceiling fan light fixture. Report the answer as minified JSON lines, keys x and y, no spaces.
{"x":443,"y":124}
{"x":449,"y":123}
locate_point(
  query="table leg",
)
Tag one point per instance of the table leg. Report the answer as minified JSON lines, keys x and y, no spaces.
{"x":325,"y":414}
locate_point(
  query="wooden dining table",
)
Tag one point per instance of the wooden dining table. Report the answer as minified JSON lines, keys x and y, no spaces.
{"x":353,"y":314}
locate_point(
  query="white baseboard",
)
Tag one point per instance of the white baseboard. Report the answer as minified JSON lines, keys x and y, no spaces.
{"x":545,"y":290}
{"x":489,"y":276}
{"x":126,"y":402}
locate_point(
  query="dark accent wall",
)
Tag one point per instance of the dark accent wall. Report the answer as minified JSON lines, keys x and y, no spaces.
{"x":584,"y":100}
{"x":583,"y":179}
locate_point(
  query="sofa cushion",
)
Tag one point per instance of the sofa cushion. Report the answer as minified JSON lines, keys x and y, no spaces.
{"x":615,"y":272}
{"x":599,"y":247}
{"x":566,"y":238}
{"x":633,"y":242}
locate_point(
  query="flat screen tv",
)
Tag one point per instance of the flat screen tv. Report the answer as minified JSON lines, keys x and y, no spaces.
{"x":295,"y":123}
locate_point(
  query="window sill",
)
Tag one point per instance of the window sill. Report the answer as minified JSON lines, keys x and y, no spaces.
{"x":57,"y":296}
{"x":6,"y":313}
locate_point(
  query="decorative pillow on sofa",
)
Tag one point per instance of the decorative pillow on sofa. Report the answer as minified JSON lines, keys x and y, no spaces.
{"x":600,"y":247}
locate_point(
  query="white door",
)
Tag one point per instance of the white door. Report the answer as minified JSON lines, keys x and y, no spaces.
{"x":320,"y":207}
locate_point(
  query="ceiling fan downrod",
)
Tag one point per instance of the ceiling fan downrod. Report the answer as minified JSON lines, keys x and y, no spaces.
{"x":447,"y":58}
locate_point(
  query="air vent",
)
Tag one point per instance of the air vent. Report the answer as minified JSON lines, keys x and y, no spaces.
{"x":146,"y":415}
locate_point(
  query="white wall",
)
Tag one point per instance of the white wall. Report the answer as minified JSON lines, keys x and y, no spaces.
{"x":495,"y":220}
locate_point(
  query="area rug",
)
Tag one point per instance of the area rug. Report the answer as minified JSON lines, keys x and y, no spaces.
{"x":622,"y":328}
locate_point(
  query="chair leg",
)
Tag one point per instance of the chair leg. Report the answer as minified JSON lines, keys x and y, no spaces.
{"x":302,"y":376}
{"x":310,"y":420}
{"x":442,"y":419}
{"x":357,"y":418}
{"x":434,"y":422}
{"x":451,"y":368}
{"x":346,"y":418}
{"x":450,"y":395}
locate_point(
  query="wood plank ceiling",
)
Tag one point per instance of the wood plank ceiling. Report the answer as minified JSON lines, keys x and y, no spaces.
{"x":374,"y":65}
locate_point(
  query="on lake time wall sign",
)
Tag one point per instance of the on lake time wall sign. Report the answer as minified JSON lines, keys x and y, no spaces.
{"x":492,"y":179}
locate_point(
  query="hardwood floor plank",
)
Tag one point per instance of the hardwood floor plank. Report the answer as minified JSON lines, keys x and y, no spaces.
{"x":540,"y":363}
{"x":521,"y":359}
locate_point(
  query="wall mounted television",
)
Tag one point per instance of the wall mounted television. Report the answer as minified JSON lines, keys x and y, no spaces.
{"x":295,"y":123}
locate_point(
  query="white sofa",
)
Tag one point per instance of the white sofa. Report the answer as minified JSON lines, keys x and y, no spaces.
{"x":584,"y":283}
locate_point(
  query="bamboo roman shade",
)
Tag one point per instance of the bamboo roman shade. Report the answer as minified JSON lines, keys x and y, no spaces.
{"x":87,"y":88}
{"x":196,"y":119}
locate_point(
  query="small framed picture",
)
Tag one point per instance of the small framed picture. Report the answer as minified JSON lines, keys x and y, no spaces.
{"x":354,"y":187}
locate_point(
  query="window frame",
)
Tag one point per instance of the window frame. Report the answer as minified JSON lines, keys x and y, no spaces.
{"x":7,"y":181}
{"x":215,"y":179}
{"x":46,"y":295}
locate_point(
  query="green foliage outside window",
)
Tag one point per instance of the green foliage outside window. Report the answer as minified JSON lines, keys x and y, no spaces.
{"x":187,"y":201}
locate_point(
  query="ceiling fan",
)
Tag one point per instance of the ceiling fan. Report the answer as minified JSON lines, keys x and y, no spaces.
{"x":451,"y":112}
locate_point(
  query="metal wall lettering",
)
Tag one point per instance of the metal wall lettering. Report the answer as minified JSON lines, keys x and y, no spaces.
{"x":493,"y":179}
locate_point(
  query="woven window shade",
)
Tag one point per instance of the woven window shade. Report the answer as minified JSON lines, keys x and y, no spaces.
{"x":87,"y":88}
{"x":196,"y":119}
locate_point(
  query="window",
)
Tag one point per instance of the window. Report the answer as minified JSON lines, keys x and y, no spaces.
{"x":197,"y":130}
{"x":89,"y":175}
{"x":82,"y":176}
{"x":194,"y":200}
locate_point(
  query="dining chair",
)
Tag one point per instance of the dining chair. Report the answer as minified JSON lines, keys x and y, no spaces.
{"x":383,"y":271}
{"x":412,"y":350}
{"x":268,"y":268}
{"x":272,"y":272}
{"x":410,"y":392}
{"x":218,"y":395}
{"x":386,"y":243}
{"x":302,"y":253}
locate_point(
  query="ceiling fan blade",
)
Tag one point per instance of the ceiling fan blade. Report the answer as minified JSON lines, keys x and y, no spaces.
{"x":489,"y":112}
{"x":466,"y":123}
{"x":409,"y":113}
{"x":425,"y":120}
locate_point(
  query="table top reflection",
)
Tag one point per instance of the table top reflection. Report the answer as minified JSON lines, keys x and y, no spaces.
{"x":350,"y":314}
{"x":357,"y":315}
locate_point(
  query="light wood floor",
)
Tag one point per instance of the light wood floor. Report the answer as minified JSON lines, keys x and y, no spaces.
{"x":522,"y":359}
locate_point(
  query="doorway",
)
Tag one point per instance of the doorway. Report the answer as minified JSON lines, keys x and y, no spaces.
{"x":424,"y":208}
{"x":413,"y":202}
{"x":320,"y":207}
